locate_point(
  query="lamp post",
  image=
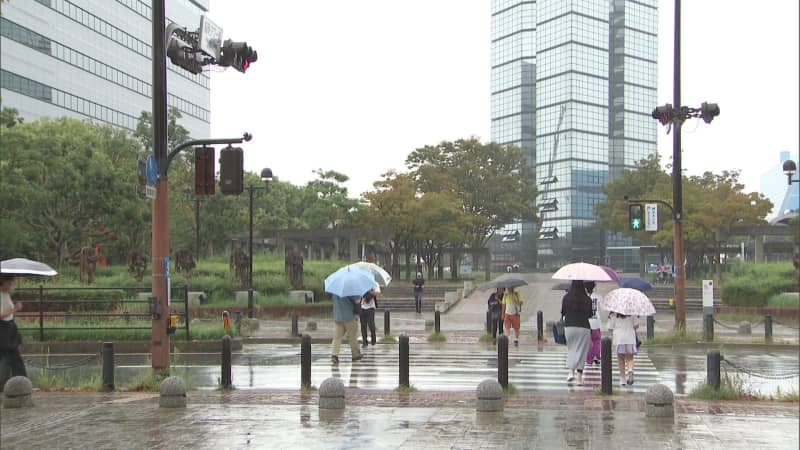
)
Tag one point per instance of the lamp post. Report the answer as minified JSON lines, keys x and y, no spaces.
{"x":188,"y":192}
{"x":266,"y":177}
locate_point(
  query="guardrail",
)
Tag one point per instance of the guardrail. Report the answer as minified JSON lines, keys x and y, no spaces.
{"x":43,"y":298}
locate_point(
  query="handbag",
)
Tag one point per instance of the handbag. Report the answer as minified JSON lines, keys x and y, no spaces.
{"x":10,"y":338}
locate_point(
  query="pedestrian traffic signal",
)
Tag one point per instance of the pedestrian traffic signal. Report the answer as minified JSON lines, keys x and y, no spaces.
{"x":204,"y":173}
{"x":237,"y":55}
{"x":635,"y":216}
{"x":231,"y":170}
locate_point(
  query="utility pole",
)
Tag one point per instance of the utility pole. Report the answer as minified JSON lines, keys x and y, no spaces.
{"x":191,"y":51}
{"x":674,"y":117}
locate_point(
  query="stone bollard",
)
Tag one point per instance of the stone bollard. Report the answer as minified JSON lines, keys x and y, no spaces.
{"x":490,"y":396}
{"x":173,"y":393}
{"x":311,"y":325}
{"x":331,"y":394}
{"x":17,"y":393}
{"x":659,"y":401}
{"x":744,"y":328}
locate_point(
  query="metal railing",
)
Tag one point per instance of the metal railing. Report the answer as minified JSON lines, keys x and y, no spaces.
{"x":43,"y":298}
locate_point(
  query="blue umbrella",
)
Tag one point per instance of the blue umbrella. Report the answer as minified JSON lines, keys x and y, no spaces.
{"x":349,"y":282}
{"x":640,"y":284}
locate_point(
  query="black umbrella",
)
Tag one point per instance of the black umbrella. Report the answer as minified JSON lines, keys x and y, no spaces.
{"x":510,"y":282}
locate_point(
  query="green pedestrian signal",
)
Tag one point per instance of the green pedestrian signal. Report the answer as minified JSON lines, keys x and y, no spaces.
{"x":635,"y":217}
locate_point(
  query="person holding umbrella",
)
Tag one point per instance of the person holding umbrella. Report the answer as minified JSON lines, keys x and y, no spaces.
{"x":495,"y":304}
{"x":11,"y":340}
{"x":576,"y":308}
{"x":512,"y":310}
{"x":625,"y":304}
{"x":369,"y":302}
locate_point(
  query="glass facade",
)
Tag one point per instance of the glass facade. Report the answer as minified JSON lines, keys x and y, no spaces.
{"x":92,"y":59}
{"x":573,"y":83}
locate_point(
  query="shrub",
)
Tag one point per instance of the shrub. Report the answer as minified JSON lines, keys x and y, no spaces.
{"x":785,"y":300}
{"x":752,"y":284}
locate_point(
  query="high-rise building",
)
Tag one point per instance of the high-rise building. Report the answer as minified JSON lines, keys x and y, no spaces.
{"x":573,"y":82}
{"x":92,"y":59}
{"x":784,"y":197}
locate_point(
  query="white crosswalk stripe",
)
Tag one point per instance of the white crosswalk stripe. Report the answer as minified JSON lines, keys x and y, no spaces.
{"x":431,"y":368}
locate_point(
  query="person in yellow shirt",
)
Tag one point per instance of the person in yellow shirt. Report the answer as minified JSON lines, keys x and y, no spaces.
{"x":512,"y":310}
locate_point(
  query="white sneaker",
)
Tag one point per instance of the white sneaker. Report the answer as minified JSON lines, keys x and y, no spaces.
{"x":570,"y":379}
{"x":623,"y":383}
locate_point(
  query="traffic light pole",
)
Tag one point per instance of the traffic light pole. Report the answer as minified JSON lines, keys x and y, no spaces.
{"x":677,"y":190}
{"x":159,"y":309}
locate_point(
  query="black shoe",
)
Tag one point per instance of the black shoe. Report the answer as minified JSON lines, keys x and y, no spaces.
{"x":334,"y":359}
{"x":373,"y":342}
{"x":516,"y":343}
{"x":358,"y":358}
{"x":364,"y":344}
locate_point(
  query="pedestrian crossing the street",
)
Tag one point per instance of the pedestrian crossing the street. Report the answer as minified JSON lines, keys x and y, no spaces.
{"x":431,"y":367}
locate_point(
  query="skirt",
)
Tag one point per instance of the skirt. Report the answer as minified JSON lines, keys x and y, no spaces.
{"x":578,"y":342}
{"x":626,"y":349}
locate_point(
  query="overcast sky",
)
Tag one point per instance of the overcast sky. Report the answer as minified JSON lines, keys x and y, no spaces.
{"x":356,"y":85}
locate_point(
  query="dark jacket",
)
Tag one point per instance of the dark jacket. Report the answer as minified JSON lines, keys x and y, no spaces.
{"x":576,"y":308}
{"x":495,"y":304}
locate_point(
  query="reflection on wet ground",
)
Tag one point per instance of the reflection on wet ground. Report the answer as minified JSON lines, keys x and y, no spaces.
{"x":454,"y":367}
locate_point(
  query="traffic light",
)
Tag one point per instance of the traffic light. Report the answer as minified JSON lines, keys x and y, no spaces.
{"x":635,"y":217}
{"x":183,"y":52}
{"x":664,"y":113}
{"x":231,"y":170}
{"x":237,"y":55}
{"x":708,"y":111}
{"x":204,"y":172}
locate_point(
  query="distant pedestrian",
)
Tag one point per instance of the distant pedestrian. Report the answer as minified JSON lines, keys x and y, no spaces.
{"x":344,"y":319}
{"x":369,"y":302}
{"x":593,"y":356}
{"x":10,"y":357}
{"x":576,"y":308}
{"x":418,"y":283}
{"x":512,"y":312}
{"x":623,"y":329}
{"x":496,"y":313}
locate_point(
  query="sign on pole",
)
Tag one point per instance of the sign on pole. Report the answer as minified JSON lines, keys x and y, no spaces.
{"x":651,"y":217}
{"x":708,"y":297}
{"x":210,"y":37}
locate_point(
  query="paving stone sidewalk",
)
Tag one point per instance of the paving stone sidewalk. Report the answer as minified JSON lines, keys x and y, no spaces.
{"x":387,"y":419}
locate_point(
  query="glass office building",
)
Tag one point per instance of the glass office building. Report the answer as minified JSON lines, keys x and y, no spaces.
{"x":92,"y":59}
{"x":573,"y":82}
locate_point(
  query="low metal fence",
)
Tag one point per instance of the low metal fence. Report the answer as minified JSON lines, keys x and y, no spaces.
{"x":44,"y":303}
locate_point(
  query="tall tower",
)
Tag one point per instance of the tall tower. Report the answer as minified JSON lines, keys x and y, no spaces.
{"x":584,"y":117}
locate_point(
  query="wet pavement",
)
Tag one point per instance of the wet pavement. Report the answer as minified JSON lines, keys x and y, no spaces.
{"x":383,"y":419}
{"x":267,"y":409}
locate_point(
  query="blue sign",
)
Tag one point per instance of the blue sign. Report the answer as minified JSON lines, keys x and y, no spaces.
{"x":152,"y":169}
{"x":166,"y":267}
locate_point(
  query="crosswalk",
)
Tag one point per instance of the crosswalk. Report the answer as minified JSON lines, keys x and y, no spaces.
{"x":431,"y":367}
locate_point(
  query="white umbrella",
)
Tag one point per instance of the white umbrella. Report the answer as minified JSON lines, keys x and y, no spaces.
{"x":630,"y":302}
{"x":381,"y":276}
{"x":26,"y":267}
{"x":585,"y":272}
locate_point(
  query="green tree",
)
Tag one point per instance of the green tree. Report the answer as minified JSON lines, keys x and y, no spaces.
{"x":325,"y":201}
{"x":63,"y":182}
{"x":10,"y":117}
{"x":176,"y":133}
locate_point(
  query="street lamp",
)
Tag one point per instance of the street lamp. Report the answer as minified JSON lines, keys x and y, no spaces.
{"x":266,"y":178}
{"x":789,"y":168}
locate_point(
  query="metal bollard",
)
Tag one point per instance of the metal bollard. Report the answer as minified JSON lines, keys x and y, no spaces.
{"x":713,"y":359}
{"x":488,"y":321}
{"x":226,"y":362}
{"x":539,"y":326}
{"x":437,"y":323}
{"x":295,"y":328}
{"x":237,"y":321}
{"x":250,"y":303}
{"x":108,"y":366}
{"x":387,"y":329}
{"x":502,"y":361}
{"x":708,"y":327}
{"x":605,"y":365}
{"x":305,"y":361}
{"x":768,"y":327}
{"x":404,"y":381}
{"x":651,"y":327}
